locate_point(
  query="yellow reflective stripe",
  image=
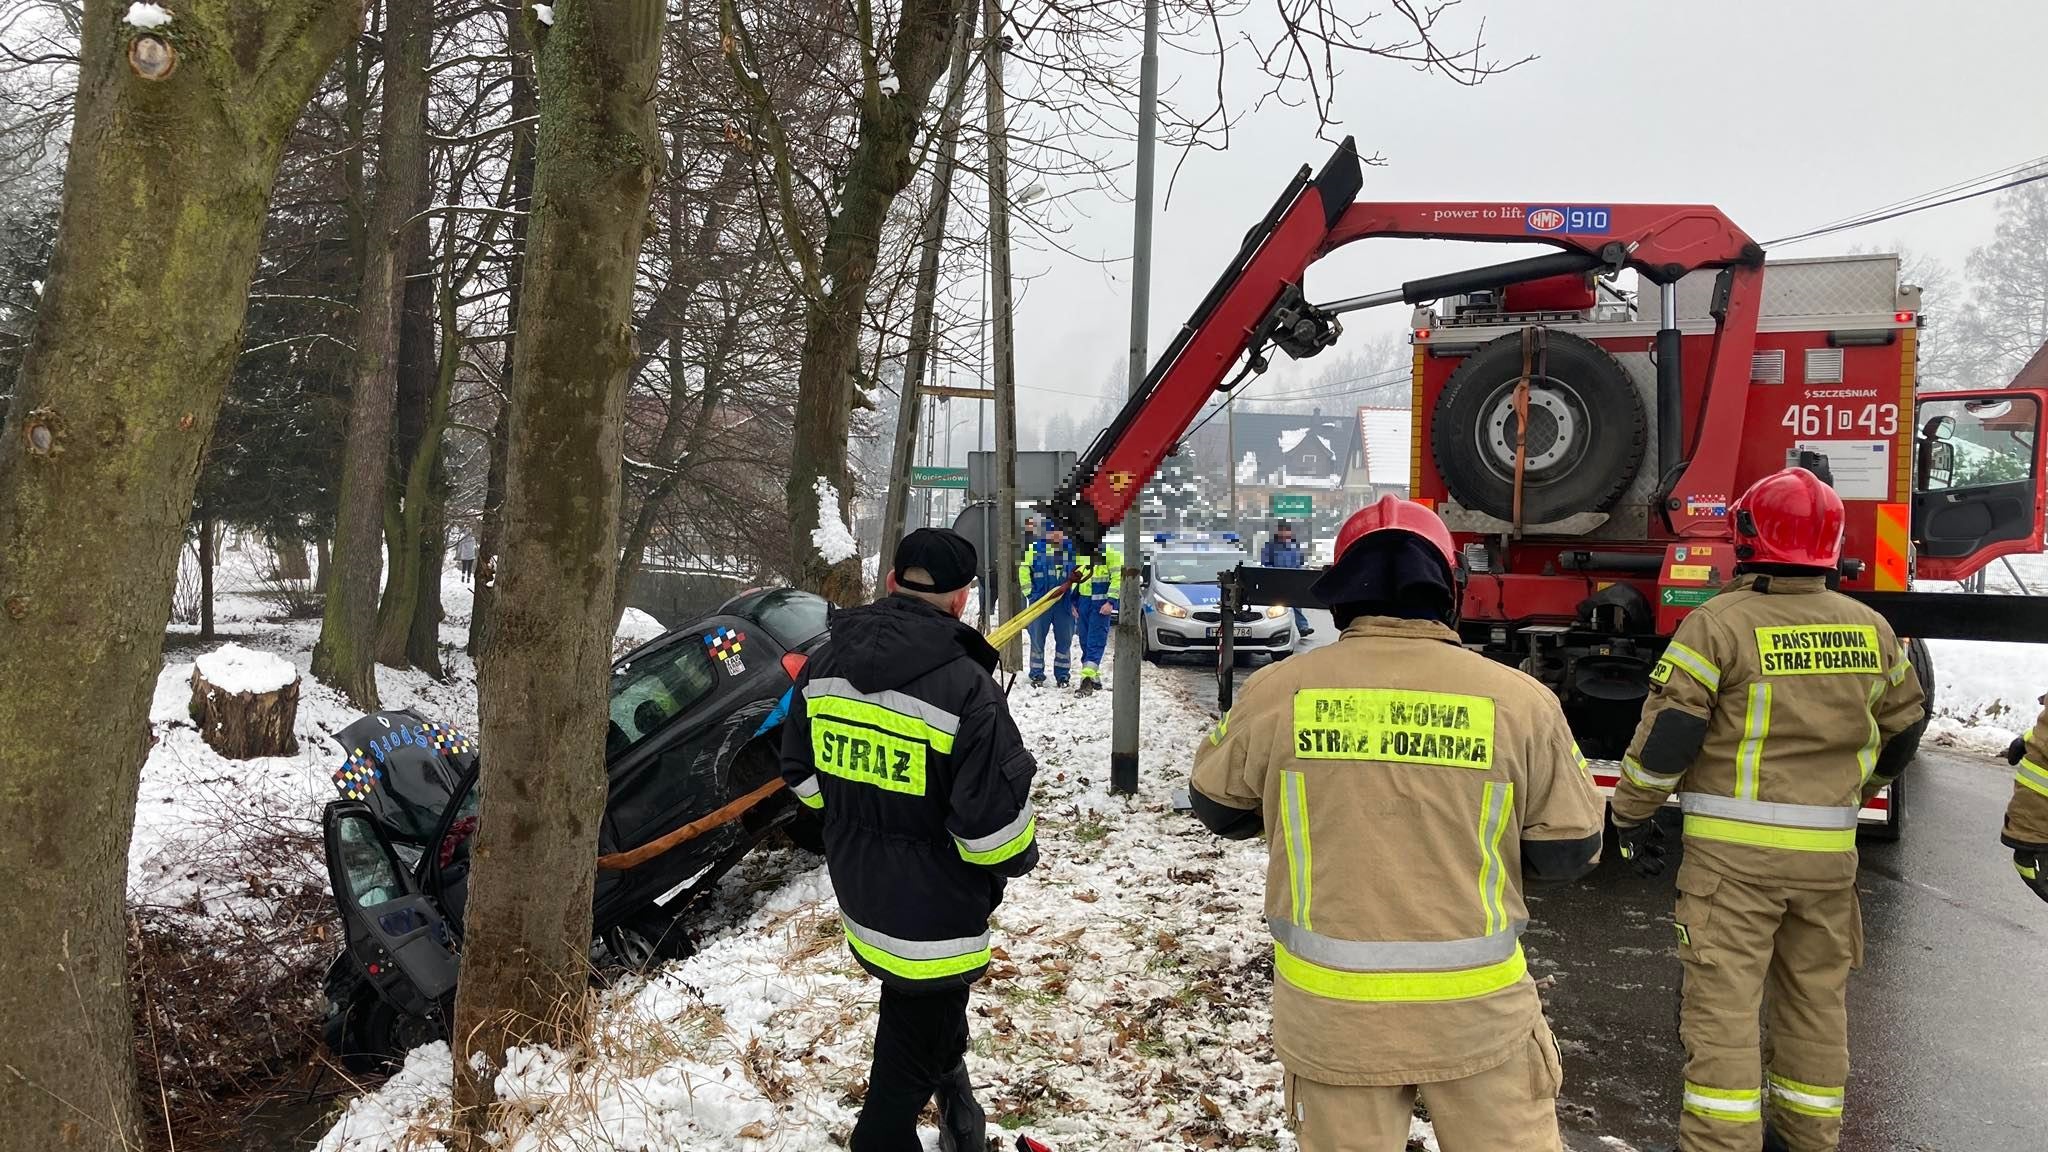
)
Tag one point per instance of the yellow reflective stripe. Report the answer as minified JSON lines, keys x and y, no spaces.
{"x":1585,"y":769}
{"x":1494,"y":804}
{"x":1399,"y":987}
{"x":1006,"y":849}
{"x":1733,"y":1105}
{"x":910,"y":969}
{"x":1767,"y":836}
{"x":876,"y":716}
{"x":1900,"y":670}
{"x":814,"y":800}
{"x":1300,"y":859}
{"x":1806,"y":1099}
{"x":1643,"y":778}
{"x":2033,"y":776}
{"x":1222,"y":726}
{"x":1700,"y":668}
{"x":1756,"y":726}
{"x":1866,"y":756}
{"x":2026,"y":871}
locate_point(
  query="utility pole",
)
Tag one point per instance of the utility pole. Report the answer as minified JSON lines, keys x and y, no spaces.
{"x":897,"y":505}
{"x":1230,"y":434}
{"x":1130,"y":639}
{"x":1005,"y":382}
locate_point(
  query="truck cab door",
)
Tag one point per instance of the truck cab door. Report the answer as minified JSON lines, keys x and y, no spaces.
{"x":1977,"y":479}
{"x":395,"y":934}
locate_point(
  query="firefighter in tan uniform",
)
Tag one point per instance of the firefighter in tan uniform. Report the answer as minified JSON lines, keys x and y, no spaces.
{"x":1407,"y":787}
{"x":2026,"y":818}
{"x":1770,"y":715}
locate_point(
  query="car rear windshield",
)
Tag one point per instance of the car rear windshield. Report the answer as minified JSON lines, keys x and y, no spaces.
{"x":1195,"y":567}
{"x":793,"y":618}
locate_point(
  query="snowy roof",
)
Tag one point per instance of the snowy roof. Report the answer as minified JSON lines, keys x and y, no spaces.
{"x":1386,"y":438}
{"x":1270,"y":444}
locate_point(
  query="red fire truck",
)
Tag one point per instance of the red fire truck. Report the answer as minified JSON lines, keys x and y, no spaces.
{"x":1584,"y":442}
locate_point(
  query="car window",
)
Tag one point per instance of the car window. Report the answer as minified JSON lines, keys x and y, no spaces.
{"x":793,"y":618}
{"x":1194,"y":567}
{"x":650,"y":691}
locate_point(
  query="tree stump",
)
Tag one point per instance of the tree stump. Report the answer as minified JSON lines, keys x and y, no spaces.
{"x":246,"y":703}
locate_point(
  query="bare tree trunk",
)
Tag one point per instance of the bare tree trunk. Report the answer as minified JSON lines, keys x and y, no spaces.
{"x":423,"y":641}
{"x":1003,"y":374}
{"x":910,"y":393}
{"x":206,"y":561}
{"x":879,"y":169}
{"x":418,"y":370}
{"x":169,"y":177}
{"x":345,"y":657}
{"x":525,"y":104}
{"x":542,"y":690}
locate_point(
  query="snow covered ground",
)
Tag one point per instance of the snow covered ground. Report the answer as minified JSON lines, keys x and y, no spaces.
{"x":1985,"y":692}
{"x":1127,"y":1006}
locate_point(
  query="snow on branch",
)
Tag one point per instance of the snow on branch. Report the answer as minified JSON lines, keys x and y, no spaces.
{"x":833,"y":540}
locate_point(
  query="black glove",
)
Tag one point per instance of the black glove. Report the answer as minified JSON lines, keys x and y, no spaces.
{"x":2016,"y":751}
{"x":1641,"y":846}
{"x":2032,"y":865}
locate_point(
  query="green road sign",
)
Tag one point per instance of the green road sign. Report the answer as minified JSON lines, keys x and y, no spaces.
{"x":922,"y":476}
{"x":1299,"y":505}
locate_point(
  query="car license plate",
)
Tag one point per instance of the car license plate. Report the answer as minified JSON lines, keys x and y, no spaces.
{"x":1209,"y":633}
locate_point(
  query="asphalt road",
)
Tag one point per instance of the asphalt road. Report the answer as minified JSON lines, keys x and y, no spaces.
{"x":1948,"y":1017}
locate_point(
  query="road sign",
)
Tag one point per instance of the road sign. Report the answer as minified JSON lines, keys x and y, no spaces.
{"x":1295,"y":505}
{"x":924,"y":476}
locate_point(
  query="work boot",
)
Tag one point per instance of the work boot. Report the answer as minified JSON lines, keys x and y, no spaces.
{"x":963,"y":1126}
{"x":1089,"y":686}
{"x":1060,"y":683}
{"x":1038,"y":680}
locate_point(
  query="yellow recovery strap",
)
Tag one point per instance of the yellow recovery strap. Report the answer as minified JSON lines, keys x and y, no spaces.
{"x":1007,"y":631}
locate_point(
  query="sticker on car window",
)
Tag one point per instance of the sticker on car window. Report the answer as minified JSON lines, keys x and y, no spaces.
{"x":725,"y":644}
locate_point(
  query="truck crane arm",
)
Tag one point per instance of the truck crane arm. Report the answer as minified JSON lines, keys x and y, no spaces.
{"x":1258,"y":303}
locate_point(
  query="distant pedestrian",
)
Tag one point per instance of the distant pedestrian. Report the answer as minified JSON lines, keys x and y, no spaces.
{"x":1030,"y":530}
{"x":1047,"y":564}
{"x":1284,"y":551}
{"x":465,"y":557}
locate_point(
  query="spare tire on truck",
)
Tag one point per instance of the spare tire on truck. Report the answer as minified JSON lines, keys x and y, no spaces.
{"x":1587,"y":430}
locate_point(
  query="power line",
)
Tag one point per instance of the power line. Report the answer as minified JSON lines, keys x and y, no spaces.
{"x":1994,"y":174}
{"x":1829,"y":230}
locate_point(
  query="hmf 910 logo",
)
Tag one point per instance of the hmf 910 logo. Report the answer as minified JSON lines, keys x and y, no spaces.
{"x":1569,"y":220}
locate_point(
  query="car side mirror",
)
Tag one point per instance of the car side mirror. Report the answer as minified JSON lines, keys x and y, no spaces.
{"x":1939,"y":428}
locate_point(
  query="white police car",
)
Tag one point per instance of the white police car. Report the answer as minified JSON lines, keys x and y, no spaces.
{"x":1181,"y":601}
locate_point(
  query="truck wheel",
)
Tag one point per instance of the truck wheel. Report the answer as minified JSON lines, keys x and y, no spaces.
{"x":1587,"y":430}
{"x":1895,"y":811}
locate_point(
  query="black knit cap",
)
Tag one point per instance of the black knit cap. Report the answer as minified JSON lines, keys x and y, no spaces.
{"x":945,"y":554}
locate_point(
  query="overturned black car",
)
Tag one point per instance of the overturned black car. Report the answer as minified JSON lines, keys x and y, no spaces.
{"x":695,"y":717}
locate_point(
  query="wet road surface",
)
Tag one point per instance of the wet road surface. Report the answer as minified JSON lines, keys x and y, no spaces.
{"x":1948,"y":1017}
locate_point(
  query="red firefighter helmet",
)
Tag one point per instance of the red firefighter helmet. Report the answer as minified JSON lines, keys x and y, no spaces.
{"x":1789,"y":517}
{"x":1390,"y":513}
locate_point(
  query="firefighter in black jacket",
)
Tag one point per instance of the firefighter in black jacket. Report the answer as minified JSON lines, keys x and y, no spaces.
{"x":904,"y":743}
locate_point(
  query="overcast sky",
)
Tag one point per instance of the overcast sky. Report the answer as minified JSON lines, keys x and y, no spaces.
{"x":1785,"y":115}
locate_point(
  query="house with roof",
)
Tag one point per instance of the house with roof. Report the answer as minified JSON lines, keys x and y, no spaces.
{"x":1386,"y":446}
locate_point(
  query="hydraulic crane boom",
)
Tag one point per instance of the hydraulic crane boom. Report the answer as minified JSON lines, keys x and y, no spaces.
{"x":1258,"y":302}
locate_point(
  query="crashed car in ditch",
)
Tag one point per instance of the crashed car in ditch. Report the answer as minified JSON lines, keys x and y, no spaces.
{"x":690,"y":753}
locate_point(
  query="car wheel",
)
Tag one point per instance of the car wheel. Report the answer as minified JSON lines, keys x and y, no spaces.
{"x":631,"y":948}
{"x":370,"y":1036}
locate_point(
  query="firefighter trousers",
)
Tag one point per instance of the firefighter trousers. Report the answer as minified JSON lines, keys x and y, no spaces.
{"x":1095,"y":625}
{"x":919,"y":1037}
{"x":1511,"y":1107}
{"x":1756,"y":952}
